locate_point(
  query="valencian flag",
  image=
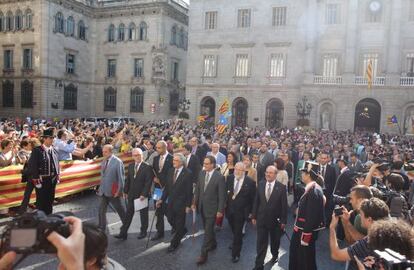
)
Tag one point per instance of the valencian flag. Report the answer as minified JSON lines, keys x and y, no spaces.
{"x":369,"y":74}
{"x":391,"y":120}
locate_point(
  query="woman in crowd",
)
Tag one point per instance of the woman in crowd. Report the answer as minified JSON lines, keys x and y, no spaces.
{"x":228,"y":167}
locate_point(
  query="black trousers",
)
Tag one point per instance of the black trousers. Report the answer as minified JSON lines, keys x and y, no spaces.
{"x":263,"y":234}
{"x":46,"y":195}
{"x":160,"y":213}
{"x":177,"y":220}
{"x":26,"y":197}
{"x":130,"y":214}
{"x":236,"y":223}
{"x":302,"y":257}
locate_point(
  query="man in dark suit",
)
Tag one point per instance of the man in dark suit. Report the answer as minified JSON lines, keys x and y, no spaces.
{"x":329,"y":175}
{"x":270,"y":215}
{"x":192,"y":163}
{"x":179,"y":193}
{"x":161,"y":165}
{"x":199,"y":150}
{"x":137,"y":186}
{"x":265,"y":158}
{"x":209,"y":200}
{"x":259,"y":167}
{"x":345,"y":180}
{"x":43,"y":171}
{"x":241,"y":191}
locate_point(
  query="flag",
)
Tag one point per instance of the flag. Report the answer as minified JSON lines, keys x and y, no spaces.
{"x":392,"y":120}
{"x":225,"y":107}
{"x":202,"y":118}
{"x":369,"y":74}
{"x":221,"y":128}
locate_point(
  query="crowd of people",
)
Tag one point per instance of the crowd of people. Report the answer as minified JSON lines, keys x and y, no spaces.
{"x":358,"y":184}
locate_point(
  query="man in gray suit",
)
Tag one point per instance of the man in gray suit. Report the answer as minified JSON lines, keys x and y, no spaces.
{"x":209,"y":199}
{"x":265,"y":158}
{"x":112,"y":184}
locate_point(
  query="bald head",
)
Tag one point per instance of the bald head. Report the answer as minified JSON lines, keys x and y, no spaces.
{"x":107,"y":150}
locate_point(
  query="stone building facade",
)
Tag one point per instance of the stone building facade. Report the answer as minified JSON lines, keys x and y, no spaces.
{"x":265,"y":58}
{"x":67,"y":58}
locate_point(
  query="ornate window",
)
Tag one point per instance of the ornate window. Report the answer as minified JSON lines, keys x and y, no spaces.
{"x":143,"y":31}
{"x":9,"y":21}
{"x":70,"y":97}
{"x":18,"y":20}
{"x":29,"y":19}
{"x":174,"y":35}
{"x":121,"y":32}
{"x":8,"y":59}
{"x":111,"y":33}
{"x":59,"y":23}
{"x":137,"y":100}
{"x":111,"y":68}
{"x":131,"y":31}
{"x":81,"y":30}
{"x":110,"y":100}
{"x":138,"y":67}
{"x":70,"y":26}
{"x":8,"y":95}
{"x":27,"y":94}
{"x":27,"y":59}
{"x":70,"y":63}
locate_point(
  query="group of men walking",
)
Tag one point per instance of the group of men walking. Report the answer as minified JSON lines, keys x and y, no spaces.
{"x":190,"y":181}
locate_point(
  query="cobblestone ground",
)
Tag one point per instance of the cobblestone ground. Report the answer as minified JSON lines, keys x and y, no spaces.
{"x":133,"y":255}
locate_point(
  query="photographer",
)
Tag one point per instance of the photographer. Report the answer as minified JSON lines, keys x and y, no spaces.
{"x":351,"y":220}
{"x":395,"y":198}
{"x":370,"y":210}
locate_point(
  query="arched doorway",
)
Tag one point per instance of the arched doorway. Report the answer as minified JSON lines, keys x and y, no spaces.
{"x":274,"y":113}
{"x":239,"y":112}
{"x":367,"y":115}
{"x":208,"y":107}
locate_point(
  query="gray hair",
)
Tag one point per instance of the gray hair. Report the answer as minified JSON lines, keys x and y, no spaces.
{"x":138,"y":150}
{"x":109,"y":147}
{"x":240,"y":164}
{"x":182,"y":158}
{"x":164,"y":143}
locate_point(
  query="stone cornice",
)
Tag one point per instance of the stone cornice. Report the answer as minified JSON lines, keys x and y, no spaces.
{"x":209,"y":46}
{"x":243,"y":45}
{"x":278,"y":44}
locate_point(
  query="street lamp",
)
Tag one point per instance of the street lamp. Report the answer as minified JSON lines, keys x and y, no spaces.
{"x":184,"y":104}
{"x":303,"y":108}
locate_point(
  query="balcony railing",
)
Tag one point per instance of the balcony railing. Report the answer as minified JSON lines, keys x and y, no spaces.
{"x":208,"y":80}
{"x":276,"y":80}
{"x":407,"y":81}
{"x":362,"y":80}
{"x":327,"y":80}
{"x":241,"y":80}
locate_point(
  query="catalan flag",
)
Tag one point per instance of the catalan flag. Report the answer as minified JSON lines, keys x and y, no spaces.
{"x":225,"y":107}
{"x":202,"y":118}
{"x":369,"y":74}
{"x":221,"y":128}
{"x":392,"y":120}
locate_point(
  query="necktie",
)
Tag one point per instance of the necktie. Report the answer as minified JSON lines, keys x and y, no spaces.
{"x":268,"y":191}
{"x":136,"y":170}
{"x":175,"y":176}
{"x":236,"y":188}
{"x":106,"y":165}
{"x":207,"y":179}
{"x":323,"y":171}
{"x":161,"y":164}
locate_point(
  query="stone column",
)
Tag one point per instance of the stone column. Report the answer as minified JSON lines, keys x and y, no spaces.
{"x":393,"y":57}
{"x":311,"y":35}
{"x":351,"y":43}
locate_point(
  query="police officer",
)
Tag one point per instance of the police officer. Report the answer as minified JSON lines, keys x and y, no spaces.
{"x":309,"y":220}
{"x":44,"y":172}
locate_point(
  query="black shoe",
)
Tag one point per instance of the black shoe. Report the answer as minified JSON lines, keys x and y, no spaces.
{"x":235,"y":259}
{"x":157,"y":236}
{"x":121,"y":236}
{"x":274,"y":259}
{"x":172,"y":248}
{"x":142,"y":235}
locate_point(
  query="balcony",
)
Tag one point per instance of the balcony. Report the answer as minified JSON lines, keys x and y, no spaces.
{"x":362,"y":80}
{"x":407,"y":81}
{"x":327,"y":80}
{"x":241,"y":80}
{"x":276,"y":80}
{"x":208,"y":80}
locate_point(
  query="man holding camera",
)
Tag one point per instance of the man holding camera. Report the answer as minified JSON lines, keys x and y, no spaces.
{"x":371,"y":210}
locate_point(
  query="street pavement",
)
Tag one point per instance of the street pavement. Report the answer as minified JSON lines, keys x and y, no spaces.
{"x":133,"y":255}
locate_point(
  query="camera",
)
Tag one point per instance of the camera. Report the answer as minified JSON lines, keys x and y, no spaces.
{"x":28,"y":233}
{"x":383,"y":164}
{"x":341,"y":200}
{"x":391,"y":260}
{"x":338,"y":211}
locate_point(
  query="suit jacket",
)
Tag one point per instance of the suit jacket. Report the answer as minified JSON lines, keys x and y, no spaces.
{"x":260,"y":171}
{"x":267,"y":213}
{"x":38,"y":163}
{"x":194,"y":167}
{"x":138,"y":184}
{"x":162,"y":175}
{"x":329,"y":179}
{"x":212,"y":200}
{"x":201,"y":152}
{"x":112,"y":175}
{"x":357,"y":167}
{"x":242,"y":204}
{"x":344,"y":183}
{"x":180,"y":193}
{"x":266,"y":159}
{"x":311,"y":213}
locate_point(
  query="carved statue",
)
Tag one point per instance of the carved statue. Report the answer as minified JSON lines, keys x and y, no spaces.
{"x":158,"y":67}
{"x":325,"y":120}
{"x":409,"y":122}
